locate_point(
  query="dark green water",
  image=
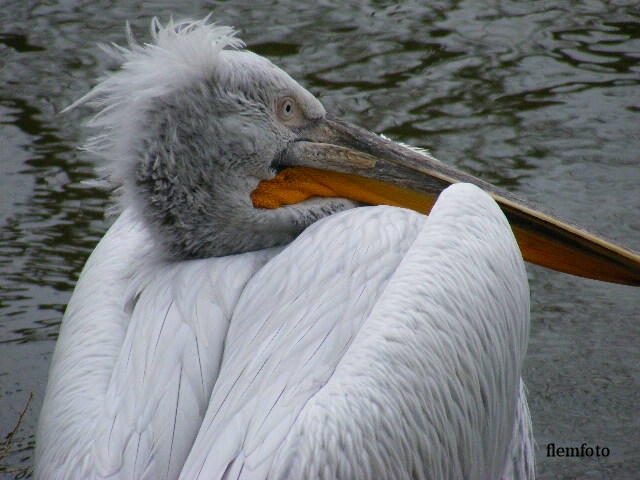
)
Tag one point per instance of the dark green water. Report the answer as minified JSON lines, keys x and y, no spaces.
{"x":542,"y":98}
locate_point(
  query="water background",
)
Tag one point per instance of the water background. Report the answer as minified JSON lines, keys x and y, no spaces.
{"x":541,"y":98}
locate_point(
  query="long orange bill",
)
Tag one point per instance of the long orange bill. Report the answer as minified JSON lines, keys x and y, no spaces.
{"x":337,"y":159}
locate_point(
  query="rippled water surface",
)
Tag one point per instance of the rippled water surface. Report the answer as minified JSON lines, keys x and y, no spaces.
{"x":541,"y":98}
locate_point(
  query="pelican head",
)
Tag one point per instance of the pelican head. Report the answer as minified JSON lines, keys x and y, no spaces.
{"x":220,"y":152}
{"x":190,"y":126}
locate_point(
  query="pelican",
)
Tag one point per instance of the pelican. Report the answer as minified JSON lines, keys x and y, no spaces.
{"x":252,"y":314}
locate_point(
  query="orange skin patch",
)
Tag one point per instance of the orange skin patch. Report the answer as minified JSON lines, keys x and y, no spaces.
{"x":602,"y":261}
{"x":293,"y":185}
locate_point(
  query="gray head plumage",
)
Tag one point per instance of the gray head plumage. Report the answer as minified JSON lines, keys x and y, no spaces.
{"x":189,"y":125}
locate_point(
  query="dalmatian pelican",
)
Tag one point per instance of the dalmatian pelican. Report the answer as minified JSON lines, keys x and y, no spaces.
{"x":262,"y":307}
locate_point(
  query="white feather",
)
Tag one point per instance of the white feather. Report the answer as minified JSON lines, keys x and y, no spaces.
{"x":393,"y":351}
{"x":138,"y":355}
{"x":395,"y":347}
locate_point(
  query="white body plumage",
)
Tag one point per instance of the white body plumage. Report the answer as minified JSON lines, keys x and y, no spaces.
{"x":379,"y":344}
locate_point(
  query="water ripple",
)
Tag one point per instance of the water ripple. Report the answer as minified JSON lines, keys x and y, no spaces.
{"x":539,"y":97}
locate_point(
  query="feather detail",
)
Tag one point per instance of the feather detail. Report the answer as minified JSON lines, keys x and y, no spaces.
{"x":179,"y":55}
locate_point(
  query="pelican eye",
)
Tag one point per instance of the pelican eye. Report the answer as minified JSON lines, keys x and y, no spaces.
{"x":286,"y":108}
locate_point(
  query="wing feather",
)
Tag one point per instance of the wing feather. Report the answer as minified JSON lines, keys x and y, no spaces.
{"x":138,"y":355}
{"x":379,"y":344}
{"x":293,"y":323}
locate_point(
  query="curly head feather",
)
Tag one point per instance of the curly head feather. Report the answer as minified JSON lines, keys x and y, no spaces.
{"x":180,"y":54}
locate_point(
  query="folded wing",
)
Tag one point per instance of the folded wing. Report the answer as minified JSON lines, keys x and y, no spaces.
{"x":379,"y":344}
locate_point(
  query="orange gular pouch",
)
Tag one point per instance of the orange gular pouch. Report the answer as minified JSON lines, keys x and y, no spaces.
{"x":542,"y":239}
{"x":294,"y":185}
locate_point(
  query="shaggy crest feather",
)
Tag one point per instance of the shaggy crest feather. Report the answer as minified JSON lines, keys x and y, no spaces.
{"x":181,"y":53}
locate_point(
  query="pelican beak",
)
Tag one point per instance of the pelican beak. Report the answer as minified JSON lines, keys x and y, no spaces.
{"x":337,"y":159}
